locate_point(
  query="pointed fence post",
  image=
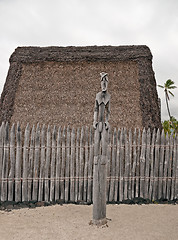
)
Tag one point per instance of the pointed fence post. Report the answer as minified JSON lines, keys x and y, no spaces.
{"x":53,"y":163}
{"x":47,"y":163}
{"x":12,"y":164}
{"x":42,"y":164}
{"x":36,"y":165}
{"x":58,"y":165}
{"x":25,"y":165}
{"x":30,"y":164}
{"x":1,"y":154}
{"x":18,"y":168}
{"x":5,"y":165}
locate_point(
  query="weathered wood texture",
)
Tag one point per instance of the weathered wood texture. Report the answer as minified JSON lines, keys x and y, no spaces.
{"x":49,"y":164}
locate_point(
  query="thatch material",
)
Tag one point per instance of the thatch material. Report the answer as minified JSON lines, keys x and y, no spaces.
{"x":57,"y":85}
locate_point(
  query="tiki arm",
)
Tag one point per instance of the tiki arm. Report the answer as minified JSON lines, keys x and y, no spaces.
{"x":96,"y":109}
{"x":107,"y":115}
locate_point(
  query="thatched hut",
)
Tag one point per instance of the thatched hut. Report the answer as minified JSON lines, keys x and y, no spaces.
{"x":57,"y":86}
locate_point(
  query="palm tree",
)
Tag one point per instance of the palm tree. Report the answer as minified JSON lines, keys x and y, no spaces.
{"x":169,"y":84}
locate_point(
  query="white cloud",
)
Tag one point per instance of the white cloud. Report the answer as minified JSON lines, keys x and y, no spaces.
{"x":94,"y":22}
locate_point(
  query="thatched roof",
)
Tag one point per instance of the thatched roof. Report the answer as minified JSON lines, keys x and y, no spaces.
{"x":140,"y":55}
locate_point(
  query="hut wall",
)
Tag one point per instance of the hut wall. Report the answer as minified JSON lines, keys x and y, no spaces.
{"x":57,"y":86}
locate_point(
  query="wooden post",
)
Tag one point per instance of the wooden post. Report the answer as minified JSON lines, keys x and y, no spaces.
{"x":113,"y":167}
{"x":47,"y":163}
{"x":176,"y":183}
{"x":30,"y":165}
{"x":5,"y":164}
{"x":109,"y":167}
{"x":170,"y":161}
{"x":36,"y":164}
{"x":42,"y":164}
{"x":81,"y":166}
{"x":166,"y":165}
{"x":72,"y":170}
{"x":58,"y":165}
{"x":142,"y":163}
{"x":134,"y":163}
{"x":18,"y":165}
{"x":175,"y":161}
{"x":25,"y":165}
{"x":63,"y":163}
{"x":138,"y":165}
{"x":117,"y":167}
{"x":161,"y":164}
{"x":99,"y":188}
{"x":77,"y":165}
{"x":130,"y":166}
{"x":147,"y":166}
{"x":121,"y":169}
{"x":67,"y":166}
{"x":12,"y":164}
{"x":101,"y":126}
{"x":1,"y":153}
{"x":86,"y":166}
{"x":90,"y":167}
{"x":53,"y":162}
{"x":156,"y":166}
{"x":152,"y":164}
{"x":126,"y":172}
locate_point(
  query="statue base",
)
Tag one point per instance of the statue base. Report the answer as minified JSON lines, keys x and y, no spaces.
{"x":99,"y":222}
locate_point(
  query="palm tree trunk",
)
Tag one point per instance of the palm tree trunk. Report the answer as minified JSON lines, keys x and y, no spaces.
{"x":169,"y":112}
{"x":168,"y":106}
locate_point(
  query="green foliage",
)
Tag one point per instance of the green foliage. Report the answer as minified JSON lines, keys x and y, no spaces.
{"x":170,"y":126}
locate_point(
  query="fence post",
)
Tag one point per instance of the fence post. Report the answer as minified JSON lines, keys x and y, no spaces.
{"x":121,"y":170}
{"x":5,"y":164}
{"x":142,"y":163}
{"x":85,"y":165}
{"x":77,"y":165}
{"x":72,"y":170}
{"x":116,"y":195}
{"x":36,"y":164}
{"x":42,"y":164}
{"x":30,"y":165}
{"x":147,"y":166}
{"x":175,"y":161}
{"x":113,"y":167}
{"x":53,"y":162}
{"x":138,"y":165}
{"x":81,"y":166}
{"x":12,"y":164}
{"x":166,"y":165}
{"x":58,"y":164}
{"x":152,"y":164}
{"x":25,"y":165}
{"x":134,"y":163}
{"x":47,"y":163}
{"x":63,"y":163}
{"x":90,"y":166}
{"x":161,"y":159}
{"x":18,"y":165}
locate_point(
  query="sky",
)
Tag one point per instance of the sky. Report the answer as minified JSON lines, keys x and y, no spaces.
{"x":95,"y":22}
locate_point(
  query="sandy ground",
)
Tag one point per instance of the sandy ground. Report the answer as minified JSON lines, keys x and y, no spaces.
{"x":137,"y":222}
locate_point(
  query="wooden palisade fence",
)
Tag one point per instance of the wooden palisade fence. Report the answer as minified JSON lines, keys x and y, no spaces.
{"x":50,"y":164}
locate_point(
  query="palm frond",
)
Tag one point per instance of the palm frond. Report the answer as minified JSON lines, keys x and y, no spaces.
{"x":160,"y":86}
{"x":171,"y":93}
{"x":169,"y":83}
{"x":172,"y":87}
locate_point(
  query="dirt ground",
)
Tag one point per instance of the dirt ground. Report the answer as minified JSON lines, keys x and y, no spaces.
{"x":127,"y":222}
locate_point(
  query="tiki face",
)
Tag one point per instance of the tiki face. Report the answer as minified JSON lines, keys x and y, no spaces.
{"x":104,"y":83}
